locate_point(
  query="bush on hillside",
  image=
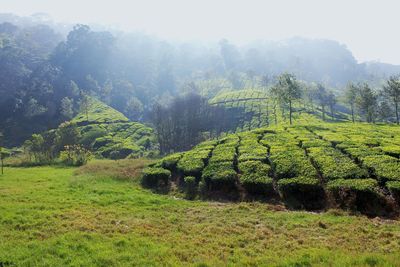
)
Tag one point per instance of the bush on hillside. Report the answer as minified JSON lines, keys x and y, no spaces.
{"x":220,"y":175}
{"x":394,"y":188}
{"x":335,"y":165}
{"x":254,"y":176}
{"x":169,"y":162}
{"x":75,"y":155}
{"x":190,"y":186}
{"x":384,"y":166}
{"x":359,"y":195}
{"x":302,"y":193}
{"x":154,"y":177}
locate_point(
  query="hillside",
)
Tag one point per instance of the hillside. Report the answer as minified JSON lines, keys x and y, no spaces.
{"x":105,"y":132}
{"x":110,"y":134}
{"x":352,"y":166}
{"x":254,"y":109}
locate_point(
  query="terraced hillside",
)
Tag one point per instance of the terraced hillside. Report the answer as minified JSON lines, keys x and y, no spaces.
{"x":108,"y":133}
{"x":255,"y":109}
{"x":352,"y":166}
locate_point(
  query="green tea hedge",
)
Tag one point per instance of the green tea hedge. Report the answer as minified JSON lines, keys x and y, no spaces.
{"x":255,"y":176}
{"x":153,"y":176}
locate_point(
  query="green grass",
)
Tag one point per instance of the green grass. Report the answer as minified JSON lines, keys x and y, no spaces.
{"x":52,"y":217}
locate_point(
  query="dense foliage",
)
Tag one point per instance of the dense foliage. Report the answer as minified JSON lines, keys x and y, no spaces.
{"x":353,"y":166}
{"x":45,"y":76}
{"x":99,"y":130}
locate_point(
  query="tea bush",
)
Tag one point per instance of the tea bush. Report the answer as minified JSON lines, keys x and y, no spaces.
{"x":153,"y":177}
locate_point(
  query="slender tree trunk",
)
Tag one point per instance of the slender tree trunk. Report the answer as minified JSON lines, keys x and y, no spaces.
{"x":290,"y":112}
{"x":352,"y":113}
{"x":397,"y":112}
{"x":323,"y":113}
{"x":331,"y":108}
{"x":2,"y":165}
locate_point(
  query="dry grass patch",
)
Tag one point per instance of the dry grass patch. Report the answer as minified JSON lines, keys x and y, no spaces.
{"x":124,"y":169}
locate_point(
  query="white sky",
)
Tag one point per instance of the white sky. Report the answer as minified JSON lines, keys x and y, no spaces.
{"x":370,"y":28}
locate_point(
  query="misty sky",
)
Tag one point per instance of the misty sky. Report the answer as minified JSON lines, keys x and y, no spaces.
{"x":369,"y":28}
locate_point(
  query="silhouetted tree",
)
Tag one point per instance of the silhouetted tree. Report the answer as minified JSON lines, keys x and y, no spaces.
{"x":350,"y":97}
{"x":392,"y":90}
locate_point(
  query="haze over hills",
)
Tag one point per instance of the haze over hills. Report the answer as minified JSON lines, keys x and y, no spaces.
{"x":199,"y":133}
{"x":130,"y":71}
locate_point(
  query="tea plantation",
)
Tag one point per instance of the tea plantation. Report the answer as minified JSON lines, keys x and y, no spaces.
{"x":109,"y":134}
{"x":314,"y":167}
{"x":255,"y":108}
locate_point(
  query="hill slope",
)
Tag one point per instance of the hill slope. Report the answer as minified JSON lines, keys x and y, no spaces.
{"x":109,"y":133}
{"x":105,"y":132}
{"x":344,"y":165}
{"x":254,"y":109}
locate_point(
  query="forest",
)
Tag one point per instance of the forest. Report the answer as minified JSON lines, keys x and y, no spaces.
{"x":122,"y":148}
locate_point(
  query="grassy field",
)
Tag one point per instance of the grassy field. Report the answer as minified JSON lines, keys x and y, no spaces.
{"x":100,"y":216}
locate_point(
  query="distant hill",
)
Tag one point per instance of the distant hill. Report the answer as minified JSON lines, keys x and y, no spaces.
{"x":111,"y":135}
{"x":107,"y":133}
{"x":253,"y":109}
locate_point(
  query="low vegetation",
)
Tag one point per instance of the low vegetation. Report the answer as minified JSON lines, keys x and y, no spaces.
{"x":97,"y":131}
{"x":353,"y":166}
{"x":100,"y":215}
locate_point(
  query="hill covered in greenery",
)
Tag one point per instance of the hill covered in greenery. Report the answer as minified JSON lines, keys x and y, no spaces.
{"x":257,"y":108}
{"x":314,"y":166}
{"x":98,"y":128}
{"x":110,"y":134}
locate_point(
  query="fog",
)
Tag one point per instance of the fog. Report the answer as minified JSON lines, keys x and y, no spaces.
{"x":366,"y":27}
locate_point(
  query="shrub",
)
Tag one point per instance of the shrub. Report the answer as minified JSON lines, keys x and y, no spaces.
{"x":394,"y":188}
{"x":362,"y":151}
{"x":335,"y":165}
{"x":75,"y":155}
{"x":169,"y":162}
{"x":291,"y":163}
{"x":192,"y":162}
{"x":223,"y":153}
{"x":191,"y":186}
{"x":362,"y":185}
{"x":220,"y":174}
{"x":90,"y":134}
{"x":254,"y":176}
{"x":392,"y":150}
{"x":384,"y":166}
{"x":155,"y":176}
{"x":251,"y":150}
{"x":315,"y":143}
{"x":361,"y":195}
{"x":302,"y":192}
{"x":191,"y":166}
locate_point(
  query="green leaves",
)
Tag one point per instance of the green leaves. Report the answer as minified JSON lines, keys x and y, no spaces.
{"x":254,"y":176}
{"x":154,"y":176}
{"x":363,"y":185}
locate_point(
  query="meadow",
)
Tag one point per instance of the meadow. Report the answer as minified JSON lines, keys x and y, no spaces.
{"x":99,"y":215}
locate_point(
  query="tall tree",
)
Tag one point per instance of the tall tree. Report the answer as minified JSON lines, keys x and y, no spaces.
{"x":367,"y":102}
{"x":288,"y":90}
{"x":392,"y":90}
{"x":351,"y":96}
{"x":1,"y":154}
{"x":67,"y":107}
{"x":331,"y":101}
{"x":321,"y":96}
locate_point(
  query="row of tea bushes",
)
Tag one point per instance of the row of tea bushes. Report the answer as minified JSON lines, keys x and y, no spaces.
{"x":307,"y":167}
